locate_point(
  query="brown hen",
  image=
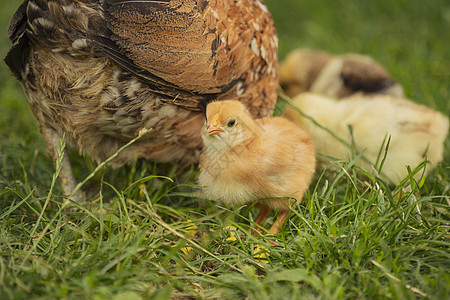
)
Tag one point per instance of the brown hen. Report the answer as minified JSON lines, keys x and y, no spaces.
{"x":98,"y":71}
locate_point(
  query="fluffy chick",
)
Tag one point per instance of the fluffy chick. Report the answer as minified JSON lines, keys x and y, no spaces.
{"x":270,"y":161}
{"x":335,"y":75}
{"x":417,"y":132}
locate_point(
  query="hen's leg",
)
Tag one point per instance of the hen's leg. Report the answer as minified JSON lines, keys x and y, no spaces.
{"x":66,"y":177}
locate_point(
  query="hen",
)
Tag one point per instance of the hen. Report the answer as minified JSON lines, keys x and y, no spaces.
{"x":335,"y":76}
{"x":270,"y":161}
{"x":98,"y":71}
{"x":417,"y":133}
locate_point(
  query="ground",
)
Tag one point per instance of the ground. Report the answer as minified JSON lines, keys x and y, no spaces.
{"x":145,"y":234}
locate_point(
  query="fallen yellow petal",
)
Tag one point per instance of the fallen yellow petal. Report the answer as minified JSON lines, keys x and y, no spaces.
{"x":186,"y":250}
{"x":230,"y":227}
{"x":261,"y":252}
{"x":191,"y":226}
{"x":141,"y":190}
{"x":232,"y":230}
{"x":191,"y":229}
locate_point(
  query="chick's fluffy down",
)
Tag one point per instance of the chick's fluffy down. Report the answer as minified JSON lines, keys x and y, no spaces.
{"x":276,"y":159}
{"x":416,"y":132}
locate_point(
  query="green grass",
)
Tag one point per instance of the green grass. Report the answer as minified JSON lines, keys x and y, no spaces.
{"x":349,"y":238}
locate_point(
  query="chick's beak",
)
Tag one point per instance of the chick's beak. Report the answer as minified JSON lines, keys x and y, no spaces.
{"x":213,"y":127}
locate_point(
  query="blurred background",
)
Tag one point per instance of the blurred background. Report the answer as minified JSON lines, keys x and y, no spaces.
{"x":409,"y":38}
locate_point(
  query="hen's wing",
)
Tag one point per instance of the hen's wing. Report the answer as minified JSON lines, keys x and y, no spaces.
{"x":190,"y":51}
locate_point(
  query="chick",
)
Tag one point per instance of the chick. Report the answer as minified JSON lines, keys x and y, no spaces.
{"x":270,"y":161}
{"x":335,"y":75}
{"x":416,"y":132}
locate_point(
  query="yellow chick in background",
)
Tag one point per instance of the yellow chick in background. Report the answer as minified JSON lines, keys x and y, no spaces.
{"x":270,"y":161}
{"x":335,"y":76}
{"x":417,"y":132}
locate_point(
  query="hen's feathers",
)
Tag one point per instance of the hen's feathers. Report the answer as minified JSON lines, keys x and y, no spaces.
{"x":191,"y":51}
{"x":111,"y":65}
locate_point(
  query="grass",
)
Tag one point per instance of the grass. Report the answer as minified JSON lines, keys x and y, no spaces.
{"x":146,"y":235}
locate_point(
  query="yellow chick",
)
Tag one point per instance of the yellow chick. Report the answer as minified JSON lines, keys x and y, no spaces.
{"x":335,"y":76}
{"x":417,"y":132}
{"x":270,"y":161}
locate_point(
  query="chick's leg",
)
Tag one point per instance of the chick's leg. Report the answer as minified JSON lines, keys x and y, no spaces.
{"x":279,"y":222}
{"x":66,"y":177}
{"x":263,"y":212}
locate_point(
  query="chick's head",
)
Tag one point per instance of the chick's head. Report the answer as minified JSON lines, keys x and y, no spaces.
{"x":228,"y":124}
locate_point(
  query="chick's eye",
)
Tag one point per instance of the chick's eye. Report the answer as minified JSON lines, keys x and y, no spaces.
{"x":231,"y":123}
